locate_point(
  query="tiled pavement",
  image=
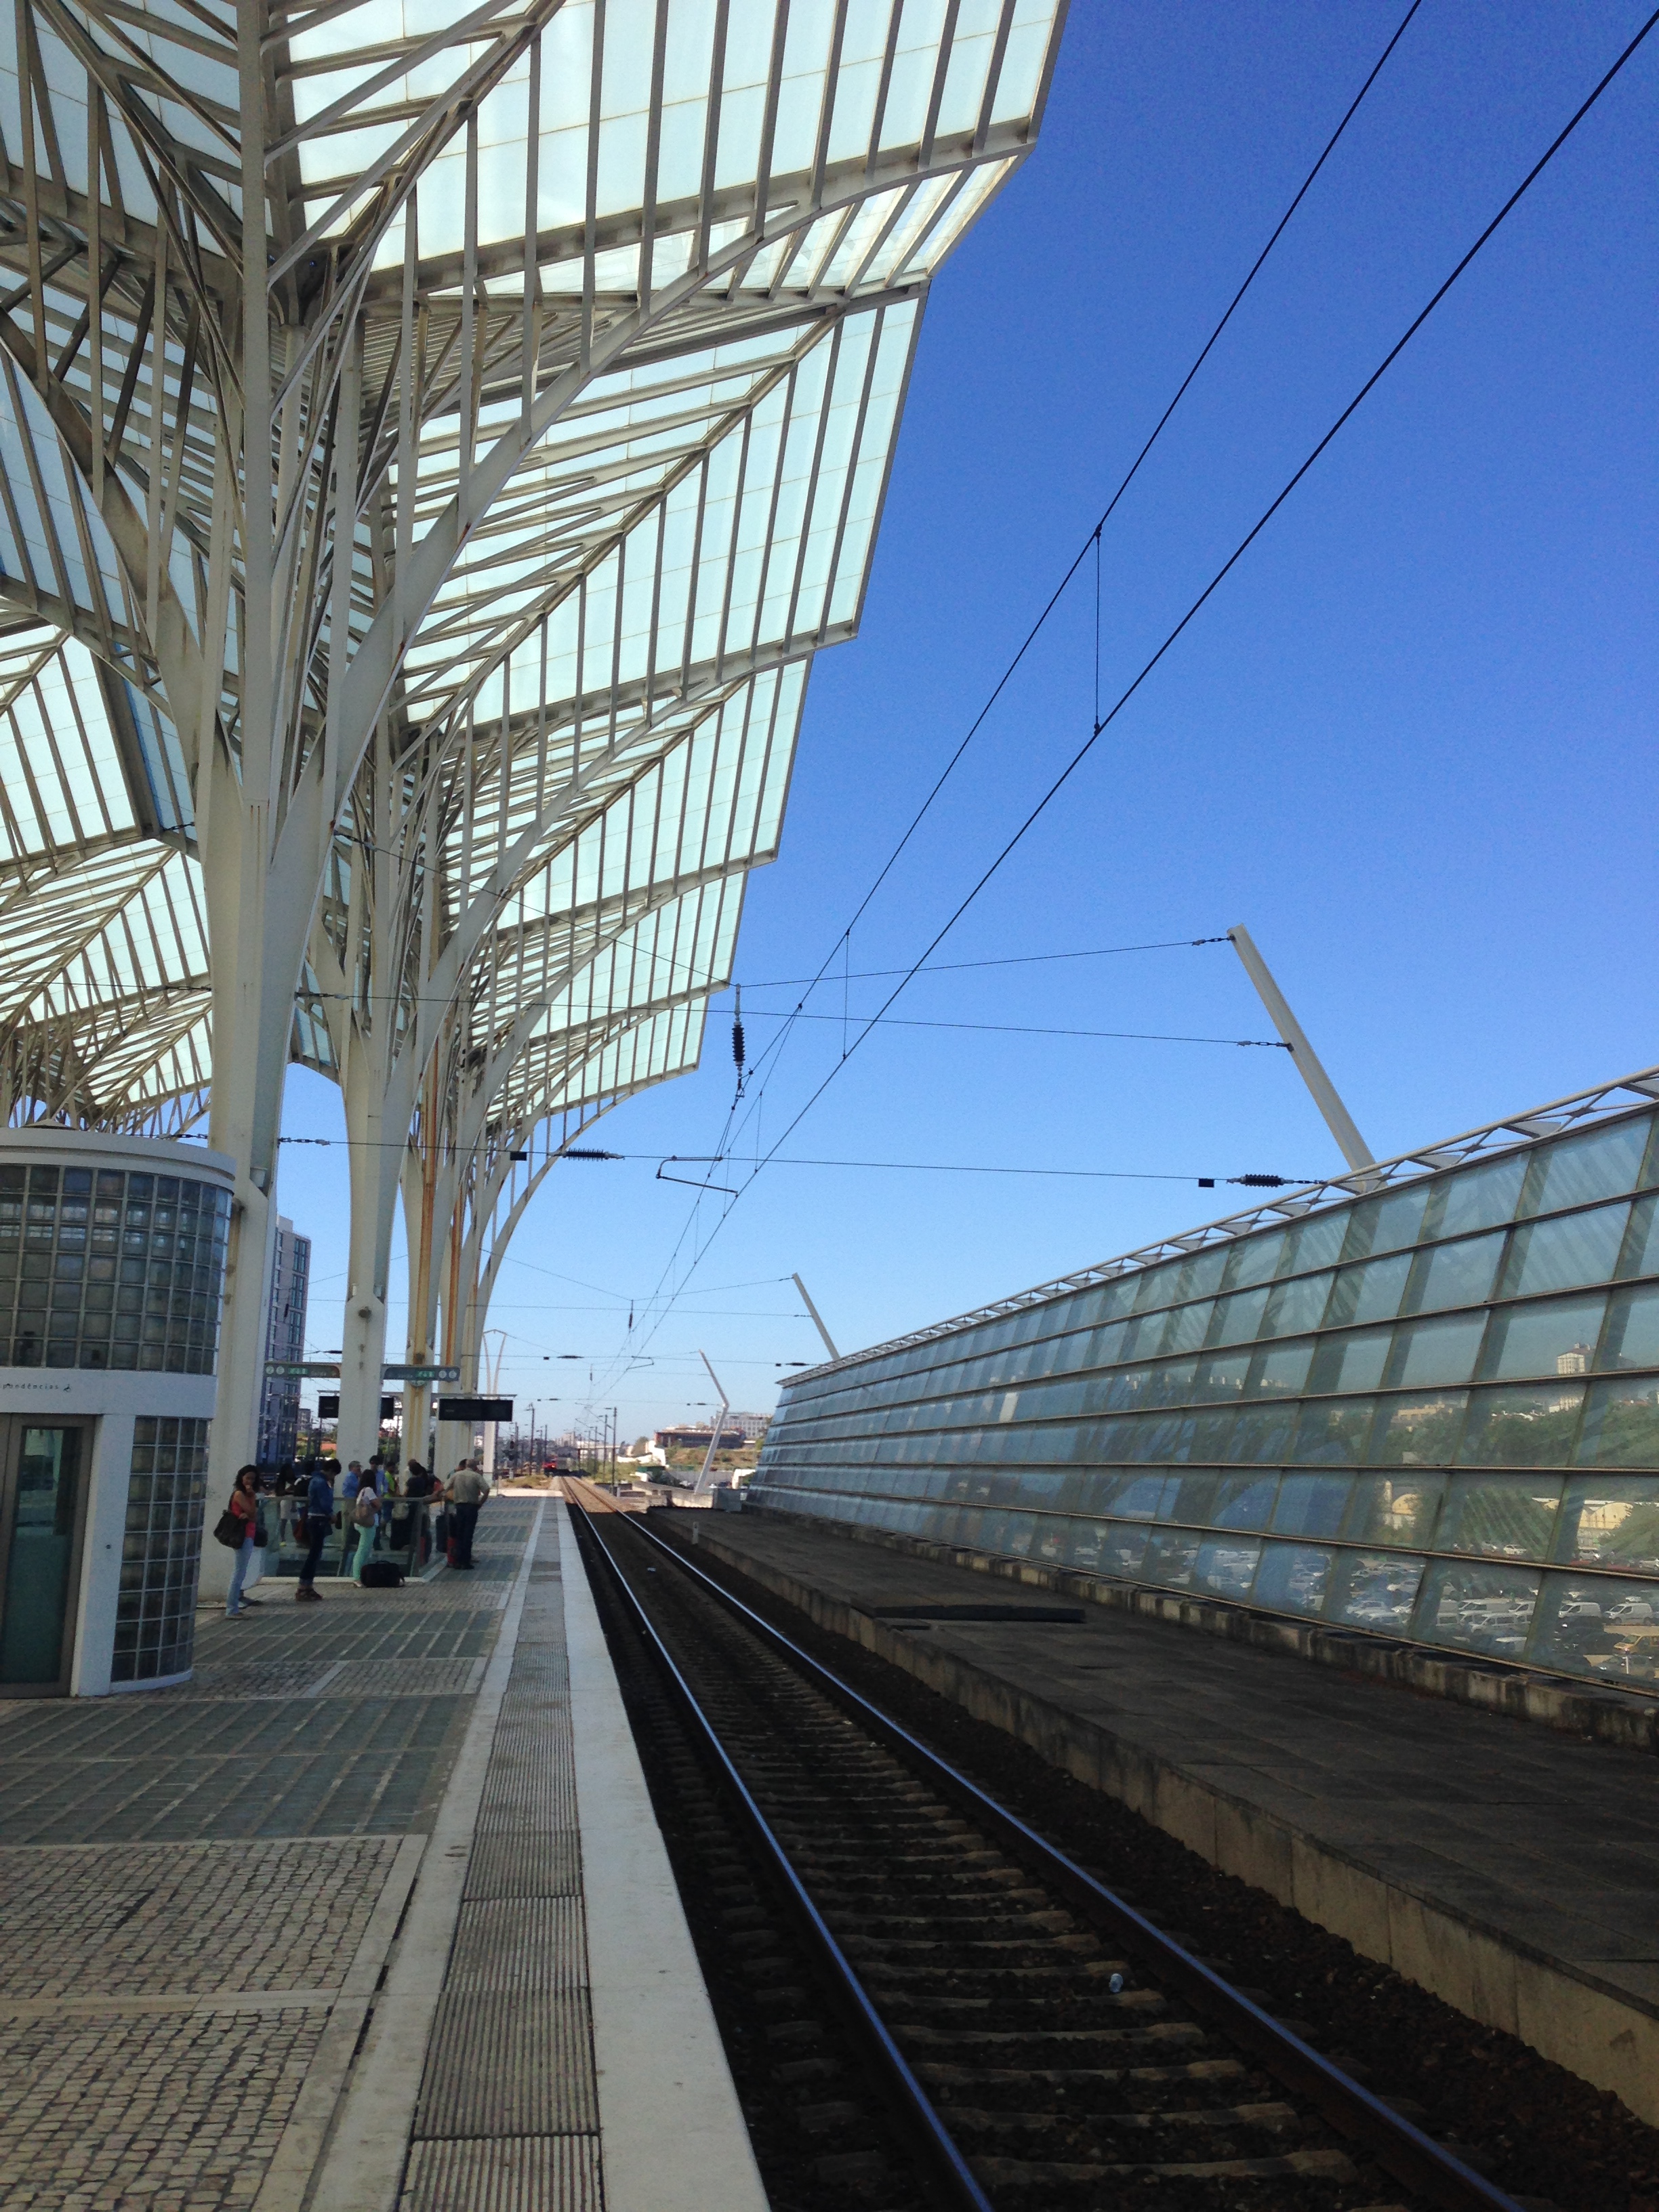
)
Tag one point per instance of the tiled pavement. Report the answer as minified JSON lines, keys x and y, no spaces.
{"x":508,"y":2098}
{"x":101,"y":2113}
{"x":186,"y":1876}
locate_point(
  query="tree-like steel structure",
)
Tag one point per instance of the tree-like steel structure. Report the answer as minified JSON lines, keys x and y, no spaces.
{"x":432,"y":450}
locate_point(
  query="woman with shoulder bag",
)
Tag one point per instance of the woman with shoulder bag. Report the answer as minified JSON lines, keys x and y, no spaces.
{"x":365,"y":1519}
{"x":242,"y":1515}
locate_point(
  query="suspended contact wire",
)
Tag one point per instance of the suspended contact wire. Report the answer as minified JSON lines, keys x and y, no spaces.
{"x":1102,"y":722}
{"x":843,"y":944}
{"x":1133,"y":471}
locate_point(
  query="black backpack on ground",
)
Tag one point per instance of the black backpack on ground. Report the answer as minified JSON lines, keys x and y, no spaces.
{"x":382,"y":1574}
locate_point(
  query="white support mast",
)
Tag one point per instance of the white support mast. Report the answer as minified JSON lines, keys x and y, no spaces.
{"x":701,"y":1483}
{"x":818,"y":1318}
{"x":1338,"y":1120}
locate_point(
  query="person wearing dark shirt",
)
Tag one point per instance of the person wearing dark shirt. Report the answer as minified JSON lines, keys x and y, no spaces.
{"x":319,"y":1520}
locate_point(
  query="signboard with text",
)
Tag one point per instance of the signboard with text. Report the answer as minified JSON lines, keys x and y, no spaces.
{"x":475,"y":1409}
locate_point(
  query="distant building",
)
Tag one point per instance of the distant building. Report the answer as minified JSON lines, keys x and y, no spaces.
{"x":731,"y":1440}
{"x":286,"y":1297}
{"x":754,"y":1425}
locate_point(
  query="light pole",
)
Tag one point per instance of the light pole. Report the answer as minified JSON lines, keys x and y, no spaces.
{"x":492,"y":1383}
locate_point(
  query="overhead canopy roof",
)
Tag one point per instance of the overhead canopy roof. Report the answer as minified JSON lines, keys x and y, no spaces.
{"x":592,"y":356}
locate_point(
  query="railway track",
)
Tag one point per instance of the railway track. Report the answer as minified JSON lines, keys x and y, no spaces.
{"x":1032,"y":2040}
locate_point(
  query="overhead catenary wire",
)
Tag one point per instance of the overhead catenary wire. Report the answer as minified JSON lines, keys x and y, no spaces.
{"x":1002,"y":960}
{"x":843,"y":943}
{"x":1103,"y":721}
{"x":1027,"y":1028}
{"x":920,"y":1167}
{"x":1253,"y":1181}
{"x":1133,"y":471}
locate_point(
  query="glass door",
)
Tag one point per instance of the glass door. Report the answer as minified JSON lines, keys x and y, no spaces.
{"x":43,"y":1482}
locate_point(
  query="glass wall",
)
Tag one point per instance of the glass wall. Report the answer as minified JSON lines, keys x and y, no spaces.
{"x":161,"y":1551}
{"x":103,"y":1269}
{"x":1432,"y":1412}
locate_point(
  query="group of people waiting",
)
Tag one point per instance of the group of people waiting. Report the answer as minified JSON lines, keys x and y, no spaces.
{"x":368,"y":1497}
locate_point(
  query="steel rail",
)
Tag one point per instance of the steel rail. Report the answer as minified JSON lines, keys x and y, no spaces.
{"x":952,"y":2179}
{"x":1403,"y":2150}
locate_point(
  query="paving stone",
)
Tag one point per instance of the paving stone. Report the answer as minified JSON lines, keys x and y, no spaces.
{"x":226,"y":1840}
{"x":170,"y":2111}
{"x":125,"y":1920}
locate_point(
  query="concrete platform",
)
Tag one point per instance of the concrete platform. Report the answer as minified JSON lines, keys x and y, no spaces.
{"x":1511,"y":1869}
{"x":372,"y":1916}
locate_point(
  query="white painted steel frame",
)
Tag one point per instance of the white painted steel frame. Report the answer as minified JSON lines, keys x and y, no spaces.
{"x":431,"y":448}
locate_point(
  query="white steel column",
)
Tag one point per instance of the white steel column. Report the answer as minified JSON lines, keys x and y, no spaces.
{"x":1338,"y":1120}
{"x":235,"y":837}
{"x":817,"y":1319}
{"x":262,"y":455}
{"x":714,"y":1434}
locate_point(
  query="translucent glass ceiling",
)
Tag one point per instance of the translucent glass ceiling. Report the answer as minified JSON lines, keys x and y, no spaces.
{"x":656,"y":291}
{"x":691,"y":100}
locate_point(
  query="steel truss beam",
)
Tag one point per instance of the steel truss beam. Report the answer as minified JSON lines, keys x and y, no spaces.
{"x":428,"y":463}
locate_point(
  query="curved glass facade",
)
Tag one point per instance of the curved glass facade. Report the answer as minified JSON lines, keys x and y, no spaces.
{"x":161,"y":1551}
{"x":1432,"y":1411}
{"x":103,"y":1268}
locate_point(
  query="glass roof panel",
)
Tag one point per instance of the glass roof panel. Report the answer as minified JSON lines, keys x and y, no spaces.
{"x":592,"y":718}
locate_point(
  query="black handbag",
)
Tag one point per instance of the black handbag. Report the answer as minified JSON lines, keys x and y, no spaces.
{"x":229,"y":1530}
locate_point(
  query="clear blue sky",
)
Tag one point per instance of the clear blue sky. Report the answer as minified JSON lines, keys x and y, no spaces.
{"x":1409,"y":743}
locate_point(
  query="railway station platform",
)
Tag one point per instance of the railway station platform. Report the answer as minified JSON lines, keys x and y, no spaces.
{"x":373,"y":1914}
{"x":1509,"y":1868}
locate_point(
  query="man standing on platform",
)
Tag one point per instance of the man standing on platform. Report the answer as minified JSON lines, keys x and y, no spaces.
{"x":466,"y":1492}
{"x":319,"y":1522}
